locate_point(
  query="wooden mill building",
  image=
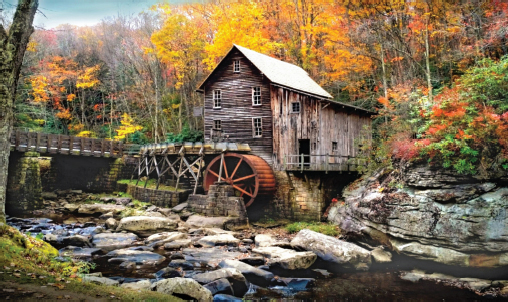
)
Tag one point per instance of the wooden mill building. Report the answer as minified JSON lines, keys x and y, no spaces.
{"x":282,"y":114}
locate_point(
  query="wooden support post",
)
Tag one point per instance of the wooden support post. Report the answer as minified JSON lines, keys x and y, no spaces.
{"x":38,"y":143}
{"x":147,"y":172}
{"x":179,"y":174}
{"x":103,"y":142}
{"x":59,"y":145}
{"x":285,"y":163}
{"x":220,"y":167}
{"x":301,"y":163}
{"x":326,"y":163}
{"x":201,"y":163}
{"x":71,"y":144}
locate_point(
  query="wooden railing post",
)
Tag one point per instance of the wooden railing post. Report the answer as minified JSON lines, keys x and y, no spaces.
{"x":327,"y":160}
{"x":38,"y":142}
{"x":285,"y":162}
{"x":301,"y":162}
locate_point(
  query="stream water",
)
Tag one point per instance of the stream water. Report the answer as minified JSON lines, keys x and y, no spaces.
{"x":380,"y":283}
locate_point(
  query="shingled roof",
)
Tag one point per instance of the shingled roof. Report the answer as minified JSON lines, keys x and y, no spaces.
{"x":281,"y":73}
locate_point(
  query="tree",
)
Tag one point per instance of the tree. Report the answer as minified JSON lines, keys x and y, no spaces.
{"x":12,"y":49}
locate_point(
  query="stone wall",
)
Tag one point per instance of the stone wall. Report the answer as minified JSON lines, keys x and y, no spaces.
{"x":220,"y":201}
{"x":160,"y":198}
{"x":24,"y":189}
{"x":305,"y":196}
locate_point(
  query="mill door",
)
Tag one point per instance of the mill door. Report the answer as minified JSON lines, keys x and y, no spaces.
{"x":304,"y":148}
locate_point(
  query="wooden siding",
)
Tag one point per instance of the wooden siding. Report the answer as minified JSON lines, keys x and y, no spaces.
{"x":236,"y":110}
{"x":320,"y":122}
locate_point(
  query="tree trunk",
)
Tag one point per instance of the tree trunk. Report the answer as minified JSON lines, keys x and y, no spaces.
{"x":12,"y":50}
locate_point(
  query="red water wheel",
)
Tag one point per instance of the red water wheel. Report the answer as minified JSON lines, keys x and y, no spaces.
{"x":250,"y":175}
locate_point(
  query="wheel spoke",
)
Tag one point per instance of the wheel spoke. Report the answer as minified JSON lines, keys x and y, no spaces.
{"x":244,"y":178}
{"x":213,"y":173}
{"x":242,"y":190}
{"x":225,"y":169}
{"x":236,"y":168}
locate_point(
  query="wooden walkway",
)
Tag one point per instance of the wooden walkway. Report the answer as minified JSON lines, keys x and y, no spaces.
{"x":24,"y":141}
{"x":304,"y":162}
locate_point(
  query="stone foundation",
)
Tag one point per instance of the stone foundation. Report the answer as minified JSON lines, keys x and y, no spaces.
{"x":160,"y":198}
{"x":24,"y":189}
{"x":220,"y":201}
{"x":305,"y":196}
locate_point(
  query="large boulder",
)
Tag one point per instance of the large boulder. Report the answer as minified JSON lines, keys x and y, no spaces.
{"x":208,"y":256}
{"x":429,"y":213}
{"x":96,"y":209}
{"x":198,"y":221}
{"x":264,"y":240}
{"x":184,"y":288}
{"x":160,"y":239}
{"x":145,"y":226}
{"x":137,"y":256}
{"x":140,"y":285}
{"x":222,"y":239}
{"x":99,"y":280}
{"x":253,"y":274}
{"x":85,"y":254}
{"x":286,"y":258}
{"x":234,"y":276}
{"x":332,"y":249}
{"x":112,"y":241}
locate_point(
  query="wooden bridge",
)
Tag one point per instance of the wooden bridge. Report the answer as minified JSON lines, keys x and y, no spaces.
{"x":25,"y":141}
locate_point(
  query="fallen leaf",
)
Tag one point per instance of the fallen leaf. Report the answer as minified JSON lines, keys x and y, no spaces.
{"x":60,"y":286}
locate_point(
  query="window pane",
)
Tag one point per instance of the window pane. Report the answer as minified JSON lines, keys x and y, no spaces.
{"x":216,"y":98}
{"x":256,"y":95}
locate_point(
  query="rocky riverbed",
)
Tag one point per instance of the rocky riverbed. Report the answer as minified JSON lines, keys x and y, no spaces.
{"x":191,"y":256}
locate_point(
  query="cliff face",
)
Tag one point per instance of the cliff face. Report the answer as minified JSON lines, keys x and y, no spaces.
{"x":430,"y":214}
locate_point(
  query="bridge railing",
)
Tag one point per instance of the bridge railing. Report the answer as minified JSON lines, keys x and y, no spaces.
{"x":321,"y":162}
{"x":25,"y":141}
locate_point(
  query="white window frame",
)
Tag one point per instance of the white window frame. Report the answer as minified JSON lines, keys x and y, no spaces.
{"x":255,"y":128}
{"x":217,"y":100}
{"x":299,"y":107}
{"x":335,"y":146}
{"x":256,"y":97}
{"x":215,"y":122}
{"x":236,"y":66}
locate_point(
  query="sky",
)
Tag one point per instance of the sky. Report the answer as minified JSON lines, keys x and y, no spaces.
{"x":84,"y":12}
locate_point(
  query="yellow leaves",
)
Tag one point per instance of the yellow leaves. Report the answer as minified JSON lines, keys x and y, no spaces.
{"x":32,"y":46}
{"x":127,"y":127}
{"x":175,"y":106}
{"x":88,"y":79}
{"x":86,"y":134}
{"x":39,"y":89}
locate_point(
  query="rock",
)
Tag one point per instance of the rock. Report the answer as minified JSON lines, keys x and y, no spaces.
{"x":177,"y":256}
{"x":183,"y":264}
{"x":168,"y":272}
{"x":247,"y":241}
{"x":180,"y":207}
{"x":112,"y":241}
{"x":208,"y":256}
{"x":52,"y":239}
{"x":84,"y":254}
{"x":49,"y":195}
{"x":71,"y":207}
{"x":139,"y":257}
{"x":165,"y":211}
{"x":473,"y":284}
{"x":177,"y":244}
{"x":323,"y":273}
{"x":253,"y":260}
{"x":224,"y":239}
{"x":253,"y":274}
{"x":184,"y":288}
{"x":160,"y":239}
{"x":287,"y":259}
{"x":381,"y":256}
{"x":220,"y":286}
{"x":430,"y":252}
{"x":140,"y":285}
{"x":332,"y":249}
{"x":264,"y":240}
{"x":99,"y":280}
{"x":93,"y":209}
{"x":111,"y":223}
{"x":223,"y":297}
{"x":146,"y":226}
{"x":435,"y":208}
{"x":76,"y":240}
{"x":127,"y":266}
{"x":198,"y":221}
{"x":122,"y":201}
{"x":234,"y":276}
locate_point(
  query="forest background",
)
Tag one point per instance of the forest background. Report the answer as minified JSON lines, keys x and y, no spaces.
{"x":436,"y":72}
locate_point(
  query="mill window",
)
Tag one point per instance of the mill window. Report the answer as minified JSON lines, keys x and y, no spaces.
{"x":217,"y":124}
{"x":217,"y":99}
{"x":256,"y":96}
{"x":335,"y":147}
{"x":295,"y":107}
{"x":257,"y":127}
{"x":236,"y":66}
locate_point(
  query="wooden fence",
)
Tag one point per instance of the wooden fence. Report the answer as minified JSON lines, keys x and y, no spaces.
{"x":24,"y":141}
{"x":305,"y":162}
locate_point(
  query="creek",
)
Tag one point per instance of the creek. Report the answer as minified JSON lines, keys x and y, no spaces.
{"x":322,"y":281}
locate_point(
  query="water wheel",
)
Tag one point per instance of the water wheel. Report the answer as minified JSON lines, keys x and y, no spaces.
{"x":248,"y":174}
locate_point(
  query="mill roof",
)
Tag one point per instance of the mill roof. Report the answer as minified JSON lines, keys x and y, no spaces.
{"x":280,"y":72}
